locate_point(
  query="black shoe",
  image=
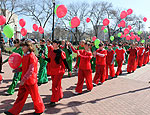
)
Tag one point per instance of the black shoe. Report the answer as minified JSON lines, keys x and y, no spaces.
{"x":8,"y":113}
{"x":37,"y":113}
{"x":129,"y":72}
{"x":39,"y":84}
{"x":1,"y":72}
{"x":60,"y":99}
{"x":52,"y":104}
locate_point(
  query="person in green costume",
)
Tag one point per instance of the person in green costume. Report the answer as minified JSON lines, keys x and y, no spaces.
{"x":68,"y":52}
{"x":93,"y":60}
{"x":114,"y":48}
{"x":81,"y":47}
{"x":17,"y":76}
{"x":126,"y":47}
{"x":42,"y":73}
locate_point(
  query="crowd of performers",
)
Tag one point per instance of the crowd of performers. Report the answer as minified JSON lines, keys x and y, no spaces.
{"x":55,"y":57}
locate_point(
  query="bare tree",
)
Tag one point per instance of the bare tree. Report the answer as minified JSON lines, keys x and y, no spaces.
{"x":98,"y":13}
{"x":11,"y":6}
{"x":39,"y":10}
{"x":80,"y":10}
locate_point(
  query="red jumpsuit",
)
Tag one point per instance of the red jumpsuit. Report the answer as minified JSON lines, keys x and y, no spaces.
{"x":110,"y":63}
{"x":146,"y":56}
{"x":76,"y":65}
{"x":137,"y":60}
{"x":100,"y":74}
{"x":50,"y":47}
{"x":29,"y":76}
{"x":132,"y":60}
{"x":119,"y":58}
{"x":85,"y":71}
{"x":141,"y":56}
{"x":56,"y":71}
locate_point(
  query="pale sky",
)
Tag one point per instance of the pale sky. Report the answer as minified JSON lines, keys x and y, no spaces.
{"x":140,"y":7}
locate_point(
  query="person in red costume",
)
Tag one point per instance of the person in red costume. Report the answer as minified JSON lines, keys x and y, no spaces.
{"x":110,"y":61}
{"x":120,"y":58}
{"x":62,"y":44}
{"x":28,"y":84}
{"x":49,"y":47}
{"x":131,"y":67}
{"x":85,"y":71}
{"x":146,"y":55}
{"x":141,"y":56}
{"x":100,"y":74}
{"x":80,"y":47}
{"x":57,"y":60}
{"x":137,"y":48}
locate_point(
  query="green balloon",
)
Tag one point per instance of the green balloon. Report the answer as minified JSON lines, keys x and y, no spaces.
{"x":8,"y":31}
{"x":112,"y":38}
{"x":105,"y":30}
{"x":56,"y":8}
{"x":97,"y":42}
{"x":143,"y":41}
{"x":97,"y":46}
{"x":119,"y":34}
{"x":140,"y":32}
{"x":70,"y":24}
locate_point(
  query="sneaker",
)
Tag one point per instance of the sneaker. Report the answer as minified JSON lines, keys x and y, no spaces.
{"x":76,"y":93}
{"x":37,"y":113}
{"x":7,"y":94}
{"x":1,"y":72}
{"x":8,"y":113}
{"x":94,"y":84}
{"x":52,"y":104}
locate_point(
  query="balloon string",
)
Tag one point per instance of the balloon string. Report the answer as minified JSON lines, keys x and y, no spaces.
{"x":71,"y":34}
{"x":54,"y":28}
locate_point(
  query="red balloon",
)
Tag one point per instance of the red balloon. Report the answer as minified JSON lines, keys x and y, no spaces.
{"x":123,"y":23}
{"x":61,"y":11}
{"x":41,"y":30}
{"x":75,"y":22}
{"x":2,"y":20}
{"x":23,"y":32}
{"x":144,"y":19}
{"x":138,"y":39}
{"x":103,"y":27}
{"x":132,"y":37}
{"x":123,"y":14}
{"x":22,"y":22}
{"x":136,"y":36}
{"x":1,"y":78}
{"x":129,"y":11}
{"x":94,"y":38}
{"x":132,"y":33}
{"x":128,"y":37}
{"x":126,"y":31}
{"x":129,"y":27}
{"x":119,"y":25}
{"x":88,"y":20}
{"x":14,"y":60}
{"x":35,"y":27}
{"x":106,"y":22}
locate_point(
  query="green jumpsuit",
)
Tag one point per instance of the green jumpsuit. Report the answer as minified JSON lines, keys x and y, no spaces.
{"x":114,"y":48}
{"x":80,"y":48}
{"x":93,"y":60}
{"x":17,"y":76}
{"x":68,"y":53}
{"x":126,"y":54}
{"x":42,"y":74}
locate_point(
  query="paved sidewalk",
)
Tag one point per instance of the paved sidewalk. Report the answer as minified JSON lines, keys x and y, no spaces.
{"x":129,"y":94}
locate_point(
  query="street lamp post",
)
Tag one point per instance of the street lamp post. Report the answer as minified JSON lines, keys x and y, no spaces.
{"x":53,"y":19}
